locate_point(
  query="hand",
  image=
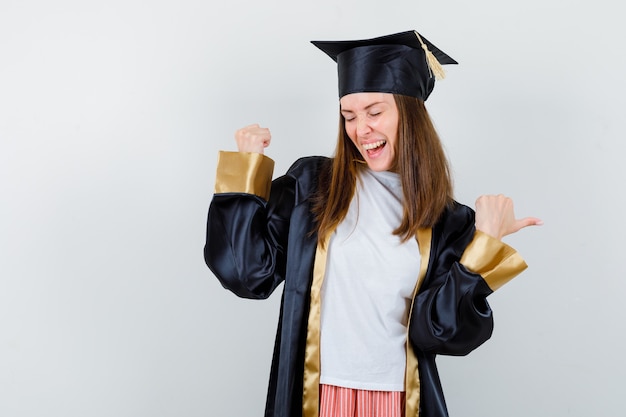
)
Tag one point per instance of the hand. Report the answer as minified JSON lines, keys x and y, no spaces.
{"x":494,"y":216}
{"x":253,"y":138}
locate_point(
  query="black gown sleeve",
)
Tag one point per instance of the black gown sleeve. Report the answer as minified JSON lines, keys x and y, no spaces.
{"x":450,"y":314}
{"x":246,"y":239}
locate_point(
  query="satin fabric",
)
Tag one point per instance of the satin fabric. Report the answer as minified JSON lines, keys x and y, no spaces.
{"x":246,"y":177}
{"x":393,"y":63}
{"x":254,"y":245}
{"x":381,"y":68}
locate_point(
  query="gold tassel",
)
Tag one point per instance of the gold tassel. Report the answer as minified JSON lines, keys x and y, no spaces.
{"x":433,"y":65}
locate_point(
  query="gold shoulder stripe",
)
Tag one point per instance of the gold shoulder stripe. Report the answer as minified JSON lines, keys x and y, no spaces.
{"x":312,"y":366}
{"x":412,"y":377}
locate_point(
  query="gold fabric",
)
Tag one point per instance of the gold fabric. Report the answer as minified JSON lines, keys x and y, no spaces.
{"x":494,"y":260}
{"x":312,"y":366}
{"x":412,"y":378}
{"x":244,"y":172}
{"x":311,"y":394}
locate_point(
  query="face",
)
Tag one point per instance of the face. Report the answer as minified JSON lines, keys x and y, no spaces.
{"x":371,"y":121}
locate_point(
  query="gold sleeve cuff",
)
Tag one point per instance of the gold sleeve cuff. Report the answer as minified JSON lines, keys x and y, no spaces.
{"x":244,"y":172}
{"x":495,"y":261}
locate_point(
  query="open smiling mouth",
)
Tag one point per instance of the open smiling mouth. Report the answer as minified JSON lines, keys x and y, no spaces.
{"x":374,"y":147}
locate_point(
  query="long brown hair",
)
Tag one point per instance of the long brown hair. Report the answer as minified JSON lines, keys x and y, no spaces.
{"x":420,"y":161}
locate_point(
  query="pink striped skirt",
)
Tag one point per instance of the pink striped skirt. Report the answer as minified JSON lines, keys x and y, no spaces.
{"x":348,"y":402}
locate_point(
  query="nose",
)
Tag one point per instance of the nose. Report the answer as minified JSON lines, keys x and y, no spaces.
{"x":362,"y":126}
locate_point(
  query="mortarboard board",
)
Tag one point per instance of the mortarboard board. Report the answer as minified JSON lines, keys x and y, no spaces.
{"x":404,"y":63}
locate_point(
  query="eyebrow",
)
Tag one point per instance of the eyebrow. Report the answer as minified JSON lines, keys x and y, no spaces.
{"x":366,"y":107}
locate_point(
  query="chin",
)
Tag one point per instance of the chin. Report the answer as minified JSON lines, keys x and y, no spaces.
{"x":383,"y":162}
{"x":379,"y":167}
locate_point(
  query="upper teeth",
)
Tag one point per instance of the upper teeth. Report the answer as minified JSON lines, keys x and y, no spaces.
{"x":368,"y":146}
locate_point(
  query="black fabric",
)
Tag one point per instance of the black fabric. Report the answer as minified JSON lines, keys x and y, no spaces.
{"x":381,"y":68}
{"x":393,"y":64}
{"x":253,"y":246}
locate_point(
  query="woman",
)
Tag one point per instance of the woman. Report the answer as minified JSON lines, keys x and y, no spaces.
{"x":382,"y":269}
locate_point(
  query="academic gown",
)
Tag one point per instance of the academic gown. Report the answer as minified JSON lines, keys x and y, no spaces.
{"x":259,"y":235}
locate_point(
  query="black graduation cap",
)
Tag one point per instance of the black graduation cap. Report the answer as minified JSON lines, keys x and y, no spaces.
{"x":404,"y":63}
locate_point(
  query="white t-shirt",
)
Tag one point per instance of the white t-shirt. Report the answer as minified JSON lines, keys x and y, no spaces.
{"x":367,"y":290}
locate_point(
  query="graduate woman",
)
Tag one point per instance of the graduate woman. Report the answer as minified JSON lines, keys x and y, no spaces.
{"x":382,"y":268}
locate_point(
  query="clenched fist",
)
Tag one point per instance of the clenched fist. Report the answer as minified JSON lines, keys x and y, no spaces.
{"x":253,"y":138}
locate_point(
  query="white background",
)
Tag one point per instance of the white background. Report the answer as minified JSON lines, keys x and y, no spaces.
{"x":111,"y":116}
